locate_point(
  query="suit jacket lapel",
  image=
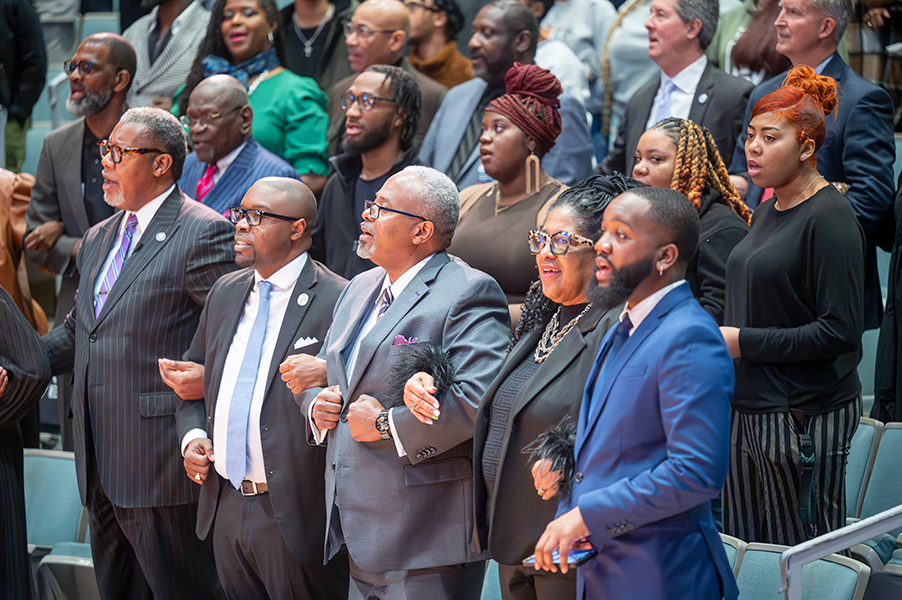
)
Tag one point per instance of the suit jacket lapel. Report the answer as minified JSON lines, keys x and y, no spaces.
{"x":108,"y":238}
{"x":230,"y":316}
{"x":69,"y":183}
{"x":163,"y":222}
{"x":704,"y":88}
{"x":234,"y":175}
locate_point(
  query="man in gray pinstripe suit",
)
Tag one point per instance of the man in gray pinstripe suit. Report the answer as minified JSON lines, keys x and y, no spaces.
{"x":145,"y":272}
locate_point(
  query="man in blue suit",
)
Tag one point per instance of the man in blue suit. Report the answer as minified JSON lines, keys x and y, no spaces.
{"x":653,"y":439}
{"x":226,"y":160}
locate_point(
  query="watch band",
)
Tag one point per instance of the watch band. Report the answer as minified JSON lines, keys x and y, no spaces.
{"x":383,"y":426}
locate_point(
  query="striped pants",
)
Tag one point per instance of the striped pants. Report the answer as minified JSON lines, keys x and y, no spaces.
{"x":761,"y":496}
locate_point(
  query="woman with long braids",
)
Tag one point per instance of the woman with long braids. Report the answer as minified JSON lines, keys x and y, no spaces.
{"x":539,"y":385}
{"x":793,"y":322}
{"x":517,"y":130}
{"x":678,"y":154}
{"x":290,"y":117}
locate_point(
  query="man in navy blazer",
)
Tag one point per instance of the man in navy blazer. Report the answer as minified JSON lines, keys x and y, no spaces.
{"x":226,"y":160}
{"x":858,"y":152}
{"x":653,"y":438}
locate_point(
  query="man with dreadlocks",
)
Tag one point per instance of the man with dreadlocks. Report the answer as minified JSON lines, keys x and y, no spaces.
{"x":382,"y":109}
{"x":679,"y":154}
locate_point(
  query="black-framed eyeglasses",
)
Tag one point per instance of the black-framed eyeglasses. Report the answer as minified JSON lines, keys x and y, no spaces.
{"x":254,"y":215}
{"x":207,"y":119}
{"x":84,"y":66}
{"x":375,"y":210}
{"x":362,"y":31}
{"x":117,"y":153}
{"x":434,"y":9}
{"x":364,"y":101}
{"x":560,"y":241}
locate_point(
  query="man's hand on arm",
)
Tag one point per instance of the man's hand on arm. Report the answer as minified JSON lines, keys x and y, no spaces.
{"x":326,"y":408}
{"x":560,"y":534}
{"x":185,"y":378}
{"x":303,"y":371}
{"x":198,"y":458}
{"x":362,"y":415}
{"x":43,"y":237}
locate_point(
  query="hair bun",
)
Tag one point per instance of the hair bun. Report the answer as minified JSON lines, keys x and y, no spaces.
{"x":820,"y":87}
{"x":535,"y":82}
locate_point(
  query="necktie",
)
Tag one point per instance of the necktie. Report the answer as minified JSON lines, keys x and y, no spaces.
{"x":664,"y":105}
{"x":112,"y":273}
{"x":206,"y":182}
{"x":240,"y":408}
{"x":610,"y":351}
{"x":387,"y":299}
{"x":471,"y":134}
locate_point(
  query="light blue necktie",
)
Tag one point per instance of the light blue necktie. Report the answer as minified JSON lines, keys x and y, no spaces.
{"x":240,"y":408}
{"x":664,"y":109}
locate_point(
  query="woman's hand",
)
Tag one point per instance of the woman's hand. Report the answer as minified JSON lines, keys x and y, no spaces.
{"x":418,"y":396}
{"x":545,"y":480}
{"x":731,"y":337}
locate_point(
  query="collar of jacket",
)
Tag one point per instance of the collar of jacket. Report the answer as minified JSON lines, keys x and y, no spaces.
{"x":348,"y":167}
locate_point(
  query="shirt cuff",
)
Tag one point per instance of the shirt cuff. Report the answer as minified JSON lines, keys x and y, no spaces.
{"x":192,"y":434}
{"x":394,"y":433}
{"x":319,"y":435}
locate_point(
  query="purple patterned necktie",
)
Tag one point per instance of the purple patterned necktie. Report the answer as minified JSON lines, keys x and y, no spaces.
{"x":387,"y":299}
{"x":116,"y":266}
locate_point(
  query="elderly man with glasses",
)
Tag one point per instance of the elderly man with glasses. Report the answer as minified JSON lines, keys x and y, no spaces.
{"x":382,"y":109}
{"x":378,"y":34}
{"x":226,"y":160}
{"x":145,"y":272}
{"x":399,"y":476}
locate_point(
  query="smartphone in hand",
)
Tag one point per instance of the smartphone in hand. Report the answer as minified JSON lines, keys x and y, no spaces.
{"x":575,"y":557}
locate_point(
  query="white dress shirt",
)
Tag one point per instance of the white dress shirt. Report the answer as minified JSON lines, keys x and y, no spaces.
{"x":685,"y":82}
{"x":370,"y":321}
{"x":643,"y":308}
{"x":225,"y":162}
{"x":283,"y":282}
{"x":145,"y":215}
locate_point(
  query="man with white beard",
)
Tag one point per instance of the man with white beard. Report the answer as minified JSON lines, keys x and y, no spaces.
{"x":67,"y":197}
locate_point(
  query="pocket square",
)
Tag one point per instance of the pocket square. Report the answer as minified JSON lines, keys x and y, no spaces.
{"x":400,"y":339}
{"x":304,"y":341}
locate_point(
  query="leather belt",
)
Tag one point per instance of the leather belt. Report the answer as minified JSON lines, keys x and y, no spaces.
{"x":249,"y":488}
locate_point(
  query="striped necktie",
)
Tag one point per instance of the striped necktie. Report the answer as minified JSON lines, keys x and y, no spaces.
{"x":112,"y":273}
{"x":206,"y":182}
{"x":387,"y":299}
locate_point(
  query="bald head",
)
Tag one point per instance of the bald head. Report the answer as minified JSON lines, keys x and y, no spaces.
{"x":226,"y":88}
{"x":296,"y":199}
{"x":390,"y":14}
{"x":391,"y":19}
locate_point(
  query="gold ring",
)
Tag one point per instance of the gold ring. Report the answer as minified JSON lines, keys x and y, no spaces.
{"x":197,"y":476}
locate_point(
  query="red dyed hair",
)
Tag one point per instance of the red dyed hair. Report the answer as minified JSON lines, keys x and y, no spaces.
{"x":531,"y":103}
{"x":803,"y":101}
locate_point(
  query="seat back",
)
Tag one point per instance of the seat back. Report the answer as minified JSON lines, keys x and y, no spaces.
{"x":98,"y":22}
{"x":491,"y":585}
{"x":68,"y":575}
{"x":53,"y":510}
{"x":884,"y":487}
{"x":862,"y":454}
{"x":735,"y":549}
{"x":832,"y":578}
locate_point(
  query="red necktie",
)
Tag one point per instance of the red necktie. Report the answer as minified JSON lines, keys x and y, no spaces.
{"x":206,"y":182}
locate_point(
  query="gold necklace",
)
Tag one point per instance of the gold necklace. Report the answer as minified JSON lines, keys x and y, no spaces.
{"x":549,"y":340}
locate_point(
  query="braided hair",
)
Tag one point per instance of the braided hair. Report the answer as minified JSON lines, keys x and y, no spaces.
{"x":531,"y":103}
{"x":586,"y":202}
{"x":698,"y":165}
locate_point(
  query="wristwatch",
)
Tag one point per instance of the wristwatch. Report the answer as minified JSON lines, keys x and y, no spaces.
{"x":382,"y":425}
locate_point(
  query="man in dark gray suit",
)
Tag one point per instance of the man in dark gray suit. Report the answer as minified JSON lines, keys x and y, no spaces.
{"x":269,"y":527}
{"x":689,"y":87}
{"x":399,"y":485}
{"x":145,"y":272}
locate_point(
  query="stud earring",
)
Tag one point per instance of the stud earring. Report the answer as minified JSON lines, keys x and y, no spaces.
{"x":660,"y":271}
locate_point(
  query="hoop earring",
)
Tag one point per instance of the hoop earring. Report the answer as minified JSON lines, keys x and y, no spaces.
{"x":533,"y":172}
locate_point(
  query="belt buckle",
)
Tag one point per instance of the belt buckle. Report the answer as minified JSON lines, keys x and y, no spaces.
{"x":248,"y":488}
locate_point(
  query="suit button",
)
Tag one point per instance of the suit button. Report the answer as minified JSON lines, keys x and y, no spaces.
{"x":578,"y":477}
{"x":93,"y":338}
{"x":344,"y":418}
{"x":333,"y":466}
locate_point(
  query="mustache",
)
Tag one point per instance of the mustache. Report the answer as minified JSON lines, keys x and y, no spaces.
{"x":366,"y":227}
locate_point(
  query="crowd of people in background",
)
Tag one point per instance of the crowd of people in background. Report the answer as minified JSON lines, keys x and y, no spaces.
{"x":356,"y":295}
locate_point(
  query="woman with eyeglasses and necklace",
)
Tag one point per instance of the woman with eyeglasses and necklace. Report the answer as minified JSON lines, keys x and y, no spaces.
{"x":290,"y":112}
{"x":518,"y":129}
{"x":681,"y":155}
{"x":539,"y":385}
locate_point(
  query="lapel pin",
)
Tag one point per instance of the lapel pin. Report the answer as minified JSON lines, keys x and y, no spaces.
{"x":161,"y":236}
{"x":303,"y":299}
{"x":703,"y":98}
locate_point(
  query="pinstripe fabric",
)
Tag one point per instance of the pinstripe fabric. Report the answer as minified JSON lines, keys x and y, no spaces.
{"x":254,"y":162}
{"x":760,"y":501}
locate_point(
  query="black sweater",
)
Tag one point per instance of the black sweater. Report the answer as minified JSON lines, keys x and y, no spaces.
{"x":794,"y":287}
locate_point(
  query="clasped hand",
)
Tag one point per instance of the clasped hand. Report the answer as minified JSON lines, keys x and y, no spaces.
{"x":419,"y":398}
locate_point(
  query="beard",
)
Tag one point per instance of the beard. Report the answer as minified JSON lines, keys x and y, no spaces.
{"x":149,"y":4}
{"x":368,"y":141}
{"x":114,"y":198}
{"x":91,"y":102}
{"x":366,"y":250}
{"x":623,"y":283}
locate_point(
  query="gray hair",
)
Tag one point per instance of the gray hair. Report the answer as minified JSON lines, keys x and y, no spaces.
{"x":164,"y":132}
{"x":706,"y":11}
{"x":838,"y":10}
{"x":439,"y":197}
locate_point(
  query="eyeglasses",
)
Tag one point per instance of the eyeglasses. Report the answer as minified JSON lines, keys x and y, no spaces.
{"x":434,"y":9}
{"x":560,"y":241}
{"x":84,"y":67}
{"x":207,"y":119}
{"x":117,"y":152}
{"x":362,"y":31}
{"x":364,"y":101}
{"x":254,"y":215}
{"x":375,"y":210}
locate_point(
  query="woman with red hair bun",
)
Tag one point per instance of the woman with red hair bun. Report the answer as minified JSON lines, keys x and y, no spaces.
{"x":793,"y":322}
{"x":518,"y":129}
